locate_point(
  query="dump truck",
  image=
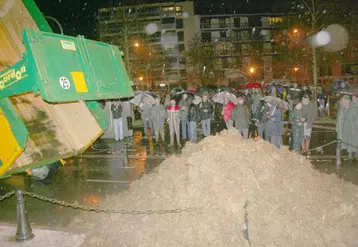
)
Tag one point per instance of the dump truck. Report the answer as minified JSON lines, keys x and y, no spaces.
{"x":49,"y":88}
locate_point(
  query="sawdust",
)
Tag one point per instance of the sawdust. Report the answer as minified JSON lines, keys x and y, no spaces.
{"x":289,"y":203}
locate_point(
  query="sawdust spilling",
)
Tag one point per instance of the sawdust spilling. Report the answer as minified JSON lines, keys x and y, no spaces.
{"x":288,"y":202}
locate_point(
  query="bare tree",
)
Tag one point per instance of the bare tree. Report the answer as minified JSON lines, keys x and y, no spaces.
{"x":313,"y":16}
{"x":146,"y":59}
{"x":126,"y":24}
{"x":202,"y":60}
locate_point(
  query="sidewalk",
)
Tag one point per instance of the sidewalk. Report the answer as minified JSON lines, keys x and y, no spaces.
{"x":43,"y":238}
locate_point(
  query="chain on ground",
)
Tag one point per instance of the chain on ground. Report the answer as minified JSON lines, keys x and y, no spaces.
{"x":100,"y":210}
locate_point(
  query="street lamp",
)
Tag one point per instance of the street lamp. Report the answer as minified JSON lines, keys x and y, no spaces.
{"x":141,"y":78}
{"x":252,"y":70}
{"x":136,"y":44}
{"x":295,"y":31}
{"x":295,"y":69}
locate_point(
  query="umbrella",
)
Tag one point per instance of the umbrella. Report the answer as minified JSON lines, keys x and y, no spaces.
{"x":250,"y":85}
{"x":175,"y":91}
{"x":220,"y":98}
{"x":340,"y":85}
{"x":191,"y":90}
{"x":279,"y":88}
{"x":140,"y":95}
{"x":196,"y":100}
{"x":276,"y":102}
{"x":350,"y":91}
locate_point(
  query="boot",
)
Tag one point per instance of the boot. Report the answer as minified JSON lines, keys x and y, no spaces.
{"x":171,"y":140}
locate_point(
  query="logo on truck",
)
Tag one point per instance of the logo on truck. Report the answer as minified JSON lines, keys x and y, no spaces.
{"x":12,"y":76}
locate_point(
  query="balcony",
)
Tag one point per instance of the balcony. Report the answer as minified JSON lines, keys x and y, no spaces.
{"x":216,"y":25}
{"x":168,"y":26}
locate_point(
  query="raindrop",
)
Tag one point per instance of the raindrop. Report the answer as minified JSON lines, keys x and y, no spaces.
{"x":85,"y":4}
{"x":163,"y":31}
{"x":324,"y":11}
{"x":151,"y":28}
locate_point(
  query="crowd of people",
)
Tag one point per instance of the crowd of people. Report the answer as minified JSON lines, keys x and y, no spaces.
{"x":246,"y":111}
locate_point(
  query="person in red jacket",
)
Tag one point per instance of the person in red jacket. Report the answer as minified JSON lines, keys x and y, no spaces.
{"x":227,"y":109}
{"x":173,"y":118}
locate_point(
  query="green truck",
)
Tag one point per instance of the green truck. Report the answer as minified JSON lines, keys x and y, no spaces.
{"x":49,"y":88}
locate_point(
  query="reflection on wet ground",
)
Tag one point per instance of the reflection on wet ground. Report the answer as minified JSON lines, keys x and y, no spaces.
{"x":101,"y":171}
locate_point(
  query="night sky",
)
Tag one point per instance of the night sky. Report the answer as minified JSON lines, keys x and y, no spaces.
{"x":79,"y":16}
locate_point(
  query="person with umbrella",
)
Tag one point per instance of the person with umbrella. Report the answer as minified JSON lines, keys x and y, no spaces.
{"x":145,"y":111}
{"x":241,"y":117}
{"x":297,"y":120}
{"x":158,"y":117}
{"x":310,"y":114}
{"x":173,"y":118}
{"x":205,"y":112}
{"x":117,"y":110}
{"x":184,"y":109}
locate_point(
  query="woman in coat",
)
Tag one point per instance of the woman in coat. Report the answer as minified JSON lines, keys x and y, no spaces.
{"x":227,"y":110}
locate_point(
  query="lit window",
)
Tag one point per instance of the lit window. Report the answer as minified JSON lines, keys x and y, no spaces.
{"x":275,"y":20}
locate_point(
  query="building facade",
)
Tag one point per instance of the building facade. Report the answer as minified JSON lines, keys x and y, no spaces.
{"x":165,"y":28}
{"x":243,"y":44}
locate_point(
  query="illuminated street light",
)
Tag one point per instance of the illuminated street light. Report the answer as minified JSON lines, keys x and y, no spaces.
{"x":141,"y":78}
{"x":136,"y":44}
{"x":252,"y":70}
{"x":295,"y":69}
{"x":295,"y":30}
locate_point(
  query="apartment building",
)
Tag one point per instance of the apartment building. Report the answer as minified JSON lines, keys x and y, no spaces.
{"x":243,"y":43}
{"x":175,"y":23}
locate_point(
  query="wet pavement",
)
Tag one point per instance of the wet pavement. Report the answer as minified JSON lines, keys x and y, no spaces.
{"x":88,"y":179}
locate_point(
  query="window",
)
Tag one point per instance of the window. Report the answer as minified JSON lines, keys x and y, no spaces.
{"x":178,"y":11}
{"x":180,"y":23}
{"x":205,"y":23}
{"x":181,"y":48}
{"x":222,"y":23}
{"x":168,"y":20}
{"x":182,"y":73}
{"x":237,"y":22}
{"x":180,"y":36}
{"x":275,"y":20}
{"x":206,"y":37}
{"x":167,"y":8}
{"x":182,"y":61}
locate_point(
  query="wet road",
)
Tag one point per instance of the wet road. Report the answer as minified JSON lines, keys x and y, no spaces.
{"x":100,"y":172}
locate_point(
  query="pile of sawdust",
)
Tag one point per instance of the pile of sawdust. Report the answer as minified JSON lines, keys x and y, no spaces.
{"x":289,"y":203}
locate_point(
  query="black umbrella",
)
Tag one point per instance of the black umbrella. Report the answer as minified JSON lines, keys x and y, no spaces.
{"x":340,"y":85}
